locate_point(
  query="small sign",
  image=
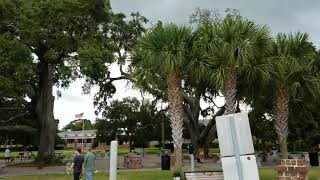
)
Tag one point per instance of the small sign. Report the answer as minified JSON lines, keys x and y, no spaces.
{"x":236,"y":147}
{"x":234,"y":129}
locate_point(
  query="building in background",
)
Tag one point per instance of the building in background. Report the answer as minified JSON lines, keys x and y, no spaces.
{"x":74,"y":139}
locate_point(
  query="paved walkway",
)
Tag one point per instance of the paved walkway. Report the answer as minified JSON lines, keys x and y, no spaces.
{"x":150,"y":162}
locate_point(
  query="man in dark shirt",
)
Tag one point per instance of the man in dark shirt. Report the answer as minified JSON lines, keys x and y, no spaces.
{"x":77,"y":164}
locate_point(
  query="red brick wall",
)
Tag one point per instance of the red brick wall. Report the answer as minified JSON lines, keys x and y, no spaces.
{"x":292,"y":169}
{"x":133,"y":162}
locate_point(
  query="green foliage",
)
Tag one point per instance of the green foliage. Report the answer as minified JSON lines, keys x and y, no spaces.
{"x":234,"y":42}
{"x":163,"y":49}
{"x":78,"y":126}
{"x":15,"y":66}
{"x":304,"y":126}
{"x":49,"y":35}
{"x":293,"y":65}
{"x":113,"y":43}
{"x":105,"y":131}
{"x":132,"y":120}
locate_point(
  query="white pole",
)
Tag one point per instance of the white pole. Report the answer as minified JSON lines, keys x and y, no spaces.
{"x":82,"y":132}
{"x":192,"y":162}
{"x":113,"y":160}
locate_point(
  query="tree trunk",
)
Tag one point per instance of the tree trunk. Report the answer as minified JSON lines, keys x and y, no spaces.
{"x":130,"y":143}
{"x":198,"y":139}
{"x":44,"y":111}
{"x":206,"y":131}
{"x":284,"y":149}
{"x":176,"y":111}
{"x":230,"y":91}
{"x":192,"y":112}
{"x":193,"y":136}
{"x":281,"y":112}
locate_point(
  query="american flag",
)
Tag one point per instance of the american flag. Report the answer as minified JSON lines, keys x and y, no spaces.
{"x":78,"y":116}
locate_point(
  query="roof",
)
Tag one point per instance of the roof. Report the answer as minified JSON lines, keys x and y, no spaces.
{"x":77,"y":134}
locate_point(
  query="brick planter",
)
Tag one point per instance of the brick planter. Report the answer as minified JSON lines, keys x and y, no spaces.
{"x":133,"y":161}
{"x":292,"y":169}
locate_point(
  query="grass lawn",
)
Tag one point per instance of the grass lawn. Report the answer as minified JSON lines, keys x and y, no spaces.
{"x":132,"y":175}
{"x":265,"y":174}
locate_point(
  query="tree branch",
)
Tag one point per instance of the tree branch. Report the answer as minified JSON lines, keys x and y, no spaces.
{"x":122,"y":72}
{"x":118,"y":78}
{"x":212,"y":101}
{"x":187,"y":99}
{"x":189,"y":115}
{"x":19,"y":115}
{"x":123,"y":76}
{"x":154,"y":92}
{"x":13,"y":108}
{"x":211,"y":124}
{"x":143,"y":127}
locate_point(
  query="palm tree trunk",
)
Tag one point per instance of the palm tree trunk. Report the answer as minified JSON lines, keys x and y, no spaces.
{"x":176,"y":111}
{"x":281,"y":112}
{"x":230,"y":91}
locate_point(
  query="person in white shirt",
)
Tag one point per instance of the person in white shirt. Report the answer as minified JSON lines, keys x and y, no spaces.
{"x":7,"y":155}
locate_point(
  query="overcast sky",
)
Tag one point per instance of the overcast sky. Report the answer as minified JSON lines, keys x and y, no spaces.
{"x":280,"y":15}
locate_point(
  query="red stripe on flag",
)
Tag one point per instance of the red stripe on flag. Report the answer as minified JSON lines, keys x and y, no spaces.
{"x":78,"y":116}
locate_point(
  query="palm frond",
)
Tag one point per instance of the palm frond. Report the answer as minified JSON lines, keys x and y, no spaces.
{"x":236,"y":42}
{"x":293,"y":64}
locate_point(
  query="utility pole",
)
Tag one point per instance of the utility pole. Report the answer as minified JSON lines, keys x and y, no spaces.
{"x":82,"y":133}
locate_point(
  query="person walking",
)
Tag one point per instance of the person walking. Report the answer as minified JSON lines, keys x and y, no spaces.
{"x":89,"y":163}
{"x":7,"y":155}
{"x":190,"y":150}
{"x":77,"y":164}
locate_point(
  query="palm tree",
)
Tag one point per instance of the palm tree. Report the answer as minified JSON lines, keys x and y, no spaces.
{"x":292,"y":68}
{"x":163,"y":51}
{"x":235,"y":46}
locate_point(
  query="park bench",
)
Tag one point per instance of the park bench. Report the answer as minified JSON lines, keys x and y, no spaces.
{"x":204,"y":175}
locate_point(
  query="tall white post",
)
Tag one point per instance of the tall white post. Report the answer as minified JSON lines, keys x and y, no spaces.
{"x":83,"y":133}
{"x":113,"y":160}
{"x":192,"y":162}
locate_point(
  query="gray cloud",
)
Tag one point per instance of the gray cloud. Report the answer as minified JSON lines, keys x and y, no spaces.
{"x":281,"y":16}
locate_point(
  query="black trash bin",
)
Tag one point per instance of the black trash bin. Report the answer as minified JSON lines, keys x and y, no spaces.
{"x":165,"y":162}
{"x":314,"y":158}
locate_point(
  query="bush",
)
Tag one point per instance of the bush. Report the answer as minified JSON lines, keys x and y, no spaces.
{"x":12,"y":149}
{"x":52,"y":160}
{"x":95,"y":144}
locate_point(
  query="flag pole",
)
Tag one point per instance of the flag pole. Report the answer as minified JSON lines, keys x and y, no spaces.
{"x":82,"y":132}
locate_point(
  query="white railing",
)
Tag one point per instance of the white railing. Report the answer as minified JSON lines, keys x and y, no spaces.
{"x":72,"y":145}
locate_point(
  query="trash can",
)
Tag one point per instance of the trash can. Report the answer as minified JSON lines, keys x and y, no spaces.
{"x":314,"y":158}
{"x":165,"y":162}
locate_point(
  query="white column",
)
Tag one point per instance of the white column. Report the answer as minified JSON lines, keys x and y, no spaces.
{"x":192,"y":162}
{"x":113,"y":160}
